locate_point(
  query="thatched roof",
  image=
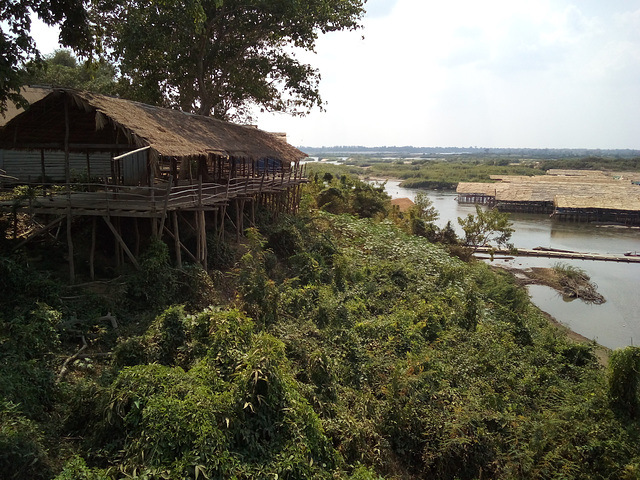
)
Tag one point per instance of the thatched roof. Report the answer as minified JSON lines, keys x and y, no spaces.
{"x":627,"y":199}
{"x":403,"y":204}
{"x":476,"y":188}
{"x":575,"y":189}
{"x":104,"y":122}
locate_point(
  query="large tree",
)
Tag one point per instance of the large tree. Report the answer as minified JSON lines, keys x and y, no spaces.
{"x":221,"y":57}
{"x":17,"y":46}
{"x":62,"y":69}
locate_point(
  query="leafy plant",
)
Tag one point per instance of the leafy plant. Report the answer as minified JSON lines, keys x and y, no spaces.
{"x":485,"y":228}
{"x":624,"y":380}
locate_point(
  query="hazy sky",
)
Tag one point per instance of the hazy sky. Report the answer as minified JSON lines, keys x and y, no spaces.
{"x":492,"y":73}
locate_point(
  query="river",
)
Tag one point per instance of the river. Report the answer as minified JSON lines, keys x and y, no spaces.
{"x":614,"y":324}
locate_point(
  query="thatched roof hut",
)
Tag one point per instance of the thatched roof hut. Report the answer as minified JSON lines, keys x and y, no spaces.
{"x":403,"y":204}
{"x":100,"y":122}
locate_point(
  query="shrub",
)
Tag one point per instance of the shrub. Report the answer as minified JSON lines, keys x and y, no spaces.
{"x":22,"y":454}
{"x":624,"y":380}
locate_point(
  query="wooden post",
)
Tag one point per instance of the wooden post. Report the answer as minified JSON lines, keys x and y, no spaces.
{"x":72,"y":270}
{"x":176,"y":238}
{"x":92,"y":254}
{"x":238,"y":219}
{"x":121,"y":242}
{"x":203,"y":229}
{"x":42,"y":170}
{"x":67,"y":168}
{"x":166,"y":205}
{"x":186,"y":250}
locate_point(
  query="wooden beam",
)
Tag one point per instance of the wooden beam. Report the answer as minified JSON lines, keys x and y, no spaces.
{"x":92,"y":254}
{"x":40,"y":231}
{"x":166,"y":204}
{"x":176,"y":238}
{"x":186,"y":250}
{"x":72,"y":270}
{"x":122,"y":244}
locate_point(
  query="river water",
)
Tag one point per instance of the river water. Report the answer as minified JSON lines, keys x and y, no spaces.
{"x":613,"y":324}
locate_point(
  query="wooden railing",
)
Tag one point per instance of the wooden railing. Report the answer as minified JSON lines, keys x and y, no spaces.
{"x":98,"y":198}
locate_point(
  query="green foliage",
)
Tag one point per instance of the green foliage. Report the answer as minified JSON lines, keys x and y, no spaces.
{"x":18,"y":47}
{"x":155,"y":284}
{"x":166,"y":336}
{"x":259,"y":292}
{"x":167,"y":53}
{"x":624,"y":380}
{"x":423,"y":208}
{"x":486,"y":227}
{"x":76,"y":469}
{"x":348,"y":194}
{"x":22,"y":453}
{"x":352,"y":350}
{"x":27,"y":342}
{"x":23,"y":286}
{"x":62,"y":69}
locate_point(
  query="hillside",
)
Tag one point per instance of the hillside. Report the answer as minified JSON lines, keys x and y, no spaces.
{"x":323,"y":346}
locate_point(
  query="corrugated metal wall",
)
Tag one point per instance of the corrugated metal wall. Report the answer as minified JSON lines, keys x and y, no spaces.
{"x":26,"y":165}
{"x":134,"y":168}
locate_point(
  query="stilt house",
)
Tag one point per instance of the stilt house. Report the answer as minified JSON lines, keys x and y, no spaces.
{"x":118,"y":159}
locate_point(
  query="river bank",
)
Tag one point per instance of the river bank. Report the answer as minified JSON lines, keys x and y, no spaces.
{"x":550,"y":278}
{"x":614,"y":324}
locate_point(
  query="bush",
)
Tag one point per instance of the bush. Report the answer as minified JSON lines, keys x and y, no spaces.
{"x":624,"y":380}
{"x":22,"y":454}
{"x":76,"y":469}
{"x":155,"y":284}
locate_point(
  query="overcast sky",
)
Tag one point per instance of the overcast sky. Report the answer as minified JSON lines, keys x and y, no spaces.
{"x":492,"y":73}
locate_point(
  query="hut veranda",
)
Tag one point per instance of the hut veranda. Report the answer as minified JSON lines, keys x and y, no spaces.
{"x":141,"y":171}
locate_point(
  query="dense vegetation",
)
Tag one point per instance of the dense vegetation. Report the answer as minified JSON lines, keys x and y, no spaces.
{"x":326,"y":346}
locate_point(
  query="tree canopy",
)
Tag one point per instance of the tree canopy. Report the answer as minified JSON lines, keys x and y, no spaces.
{"x":486,"y":228}
{"x":17,"y":47}
{"x":62,"y":68}
{"x":221,"y":57}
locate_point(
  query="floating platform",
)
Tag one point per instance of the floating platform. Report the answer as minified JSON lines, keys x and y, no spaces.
{"x":553,"y":253}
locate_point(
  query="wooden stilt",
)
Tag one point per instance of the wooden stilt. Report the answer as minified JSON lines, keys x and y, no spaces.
{"x":253,"y":212}
{"x":40,"y":231}
{"x":182,"y":247}
{"x":121,"y":242}
{"x":92,"y":254}
{"x":222,"y":217}
{"x":176,"y":239}
{"x":198,"y":237}
{"x":166,"y":201}
{"x":238,"y":220}
{"x":72,"y":269}
{"x":203,"y":227}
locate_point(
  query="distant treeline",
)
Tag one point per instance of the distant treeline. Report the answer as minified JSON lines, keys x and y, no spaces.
{"x":475,"y":151}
